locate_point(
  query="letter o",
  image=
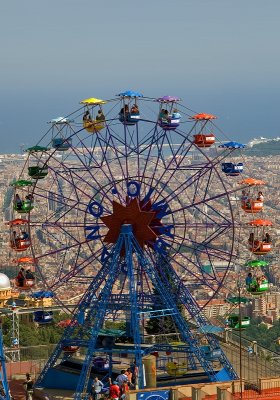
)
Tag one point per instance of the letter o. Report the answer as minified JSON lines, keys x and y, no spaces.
{"x":92,"y":209}
{"x":135,"y":186}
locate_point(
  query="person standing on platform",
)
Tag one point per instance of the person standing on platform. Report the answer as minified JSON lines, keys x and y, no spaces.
{"x":96,"y":388}
{"x":28,"y":387}
{"x":114,"y":390}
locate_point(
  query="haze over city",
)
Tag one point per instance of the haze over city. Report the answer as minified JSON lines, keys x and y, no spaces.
{"x":218,"y":56}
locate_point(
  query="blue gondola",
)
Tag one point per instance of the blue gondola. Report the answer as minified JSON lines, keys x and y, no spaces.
{"x":129,"y":119}
{"x":61,"y":144}
{"x":211,"y":354}
{"x":169,"y":124}
{"x":232,"y":169}
{"x":60,"y":131}
{"x":129,"y":115}
{"x":43,"y":317}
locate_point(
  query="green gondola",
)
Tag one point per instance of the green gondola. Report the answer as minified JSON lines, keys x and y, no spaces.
{"x":234,"y":322}
{"x":256,"y":288}
{"x":22,"y":206}
{"x":38,"y":172}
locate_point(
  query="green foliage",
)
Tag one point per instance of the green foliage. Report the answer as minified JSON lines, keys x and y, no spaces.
{"x":32,"y":334}
{"x":266,"y":337}
{"x":115,"y":325}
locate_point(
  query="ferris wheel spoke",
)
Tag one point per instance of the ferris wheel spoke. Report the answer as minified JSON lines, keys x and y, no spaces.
{"x":111,"y":177}
{"x":150,"y":163}
{"x":203,"y":248}
{"x":190,"y":274}
{"x":198,"y":203}
{"x":77,"y":270}
{"x":199,"y":172}
{"x":153,"y":142}
{"x":169,"y":172}
{"x":91,"y":176}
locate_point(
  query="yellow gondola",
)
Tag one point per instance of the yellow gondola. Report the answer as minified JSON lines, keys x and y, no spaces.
{"x":98,"y":123}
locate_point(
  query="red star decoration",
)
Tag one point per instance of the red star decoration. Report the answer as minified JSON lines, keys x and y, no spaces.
{"x":141,"y":221}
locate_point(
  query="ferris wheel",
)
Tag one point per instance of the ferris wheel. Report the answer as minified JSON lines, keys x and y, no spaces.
{"x":124,"y":200}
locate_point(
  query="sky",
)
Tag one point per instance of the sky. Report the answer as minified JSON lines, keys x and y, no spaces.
{"x":219,"y":56}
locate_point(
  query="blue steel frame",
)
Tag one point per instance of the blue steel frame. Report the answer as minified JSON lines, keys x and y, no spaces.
{"x":91,"y":315}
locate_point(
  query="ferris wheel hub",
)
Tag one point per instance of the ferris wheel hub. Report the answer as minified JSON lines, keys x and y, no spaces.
{"x":140,"y":222}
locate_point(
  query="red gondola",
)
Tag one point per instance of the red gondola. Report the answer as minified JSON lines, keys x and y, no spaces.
{"x":204,"y":140}
{"x":26,"y":285}
{"x":259,"y":241}
{"x":19,"y":234}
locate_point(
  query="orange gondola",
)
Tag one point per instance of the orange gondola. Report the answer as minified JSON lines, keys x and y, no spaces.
{"x":252,"y":206}
{"x":252,"y":203}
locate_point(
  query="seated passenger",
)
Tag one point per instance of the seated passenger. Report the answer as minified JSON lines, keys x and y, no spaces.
{"x":260,"y":196}
{"x":259,"y":281}
{"x":249,"y":279}
{"x":14,"y":239}
{"x":20,"y":277}
{"x":100,"y":116}
{"x":251,"y":238}
{"x":24,"y":235}
{"x":28,"y":200}
{"x":134,"y":109}
{"x":248,"y":203}
{"x":18,"y":202}
{"x":256,"y":245}
{"x":87,"y":117}
{"x":124,"y":110}
{"x":244,"y":197}
{"x":29,"y":274}
{"x":176,"y":114}
{"x":163,"y":115}
{"x":267,"y":238}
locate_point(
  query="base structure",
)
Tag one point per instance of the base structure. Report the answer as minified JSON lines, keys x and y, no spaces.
{"x":101,"y":303}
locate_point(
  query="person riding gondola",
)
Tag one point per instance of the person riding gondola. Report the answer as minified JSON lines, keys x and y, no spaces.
{"x":176,"y":114}
{"x":260,"y":196}
{"x":267,"y":238}
{"x":251,"y":238}
{"x":100,"y":116}
{"x":24,"y":235}
{"x":87,"y":117}
{"x":21,"y":277}
{"x":134,"y":109}
{"x":18,"y":202}
{"x":29,"y":274}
